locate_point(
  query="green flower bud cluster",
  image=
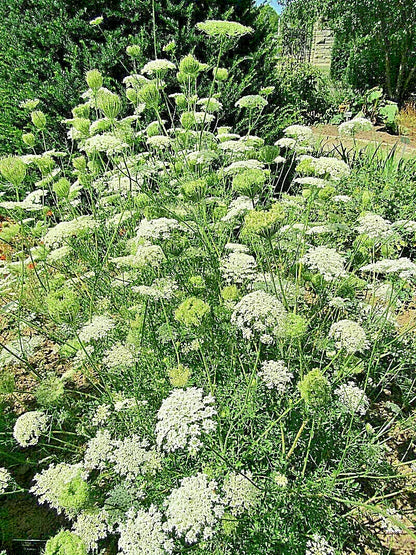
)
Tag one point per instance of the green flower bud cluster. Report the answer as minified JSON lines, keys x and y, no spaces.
{"x":63,"y":304}
{"x":61,"y":188}
{"x":74,"y":495}
{"x":264,"y":223}
{"x":315,"y":389}
{"x":94,"y":79}
{"x":109,"y":103}
{"x":29,"y":139}
{"x":249,"y":182}
{"x":13,"y":169}
{"x":179,"y":376}
{"x":220,"y":74}
{"x":50,"y":390}
{"x":65,"y":543}
{"x":38,"y":119}
{"x":149,"y":94}
{"x":134,"y":51}
{"x":191,"y":312}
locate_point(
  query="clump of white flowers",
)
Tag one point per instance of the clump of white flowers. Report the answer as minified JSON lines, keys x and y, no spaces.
{"x":402,"y":266}
{"x":319,"y":546}
{"x":158,"y":229}
{"x":326,"y":261}
{"x":259,"y":314}
{"x":183,"y":417}
{"x":251,"y":101}
{"x":63,"y":231}
{"x":156,"y":67}
{"x":5,"y":479}
{"x":29,"y":427}
{"x":238,"y":207}
{"x":91,"y":527}
{"x":132,"y":457}
{"x":238,"y":267}
{"x":356,"y":125}
{"x":301,"y":133}
{"x":119,"y":356}
{"x":52,"y":481}
{"x":275,"y":375}
{"x":240,"y":492}
{"x":374,"y":226}
{"x":98,"y":451}
{"x":348,"y":335}
{"x":98,"y":328}
{"x":142,"y":533}
{"x":193,"y":509}
{"x":352,"y":398}
{"x":162,"y":288}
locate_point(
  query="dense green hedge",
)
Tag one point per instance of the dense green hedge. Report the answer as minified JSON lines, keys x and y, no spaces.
{"x":46,"y":46}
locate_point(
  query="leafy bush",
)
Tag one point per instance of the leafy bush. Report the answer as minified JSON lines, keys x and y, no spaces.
{"x":217,"y":359}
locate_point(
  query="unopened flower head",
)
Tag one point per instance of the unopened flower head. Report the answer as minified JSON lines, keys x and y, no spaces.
{"x":29,"y":427}
{"x":193,"y":509}
{"x":182,"y":419}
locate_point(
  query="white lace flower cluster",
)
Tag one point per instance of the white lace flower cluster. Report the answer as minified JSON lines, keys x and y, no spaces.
{"x":132,"y":457}
{"x":105,"y":142}
{"x":193,"y":509}
{"x":91,"y":527}
{"x":33,"y":201}
{"x":155,"y":67}
{"x":98,"y":328}
{"x":301,"y":133}
{"x":352,"y":398}
{"x":29,"y":427}
{"x":354,"y":126}
{"x":259,"y":314}
{"x":49,"y":483}
{"x":142,"y":534}
{"x":57,"y":235}
{"x":145,"y":255}
{"x":98,"y":451}
{"x":331,"y":167}
{"x":319,"y":546}
{"x":5,"y":479}
{"x":119,"y":356}
{"x":240,"y":492}
{"x":326,"y":261}
{"x":157,"y":229}
{"x":238,"y":207}
{"x":238,"y":267}
{"x":374,"y":226}
{"x":183,"y":417}
{"x":275,"y":375}
{"x":404,"y":267}
{"x":162,"y":288}
{"x":348,"y":335}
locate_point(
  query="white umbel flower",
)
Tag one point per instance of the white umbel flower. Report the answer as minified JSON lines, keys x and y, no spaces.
{"x":348,"y":335}
{"x":402,"y":266}
{"x":5,"y":479}
{"x":259,"y":314}
{"x":326,"y":261}
{"x":240,"y":493}
{"x":193,"y":509}
{"x":238,"y":267}
{"x":352,"y":398}
{"x":91,"y":528}
{"x":183,"y":417}
{"x":29,"y":427}
{"x":98,"y":328}
{"x":98,"y":451}
{"x":132,"y":457}
{"x":374,"y":226}
{"x":275,"y":375}
{"x":319,"y":546}
{"x":142,"y":534}
{"x":158,"y":229}
{"x":155,"y":67}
